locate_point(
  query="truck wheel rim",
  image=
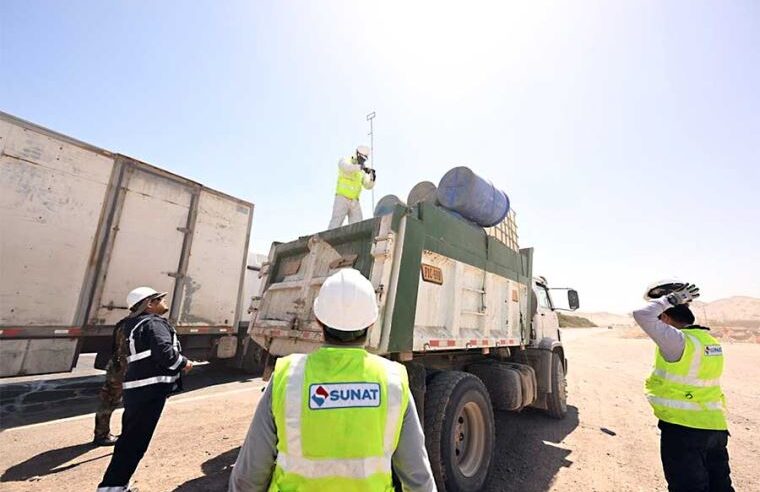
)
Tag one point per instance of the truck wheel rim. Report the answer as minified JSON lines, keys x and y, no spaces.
{"x":469,"y":439}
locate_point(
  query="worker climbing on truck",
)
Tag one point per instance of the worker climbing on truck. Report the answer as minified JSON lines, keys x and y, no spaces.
{"x":353,"y":175}
{"x":359,"y":418}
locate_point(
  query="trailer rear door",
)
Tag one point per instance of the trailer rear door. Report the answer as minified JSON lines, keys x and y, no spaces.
{"x":147,"y":241}
{"x":216,"y":264}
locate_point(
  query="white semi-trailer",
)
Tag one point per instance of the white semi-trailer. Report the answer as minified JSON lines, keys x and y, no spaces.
{"x":80,"y":227}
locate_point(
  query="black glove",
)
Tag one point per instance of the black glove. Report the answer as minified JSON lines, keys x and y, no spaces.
{"x":372,"y":172}
{"x":684,"y":295}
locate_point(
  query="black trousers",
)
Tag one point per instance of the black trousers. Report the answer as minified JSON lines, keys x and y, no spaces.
{"x":137,"y":425}
{"x":694,"y":460}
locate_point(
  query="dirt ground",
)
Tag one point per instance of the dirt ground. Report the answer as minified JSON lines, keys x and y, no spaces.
{"x":608,"y":442}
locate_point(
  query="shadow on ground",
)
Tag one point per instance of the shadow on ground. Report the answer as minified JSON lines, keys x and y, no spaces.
{"x":216,"y":474}
{"x":528,"y":455}
{"x":526,"y":459}
{"x":43,"y":399}
{"x":50,"y":462}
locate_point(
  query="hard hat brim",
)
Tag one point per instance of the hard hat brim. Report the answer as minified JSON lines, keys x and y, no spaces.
{"x":157,"y":295}
{"x":662,"y":288}
{"x":326,"y":319}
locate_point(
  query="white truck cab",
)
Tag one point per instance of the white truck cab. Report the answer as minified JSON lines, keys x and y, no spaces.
{"x":545,"y":318}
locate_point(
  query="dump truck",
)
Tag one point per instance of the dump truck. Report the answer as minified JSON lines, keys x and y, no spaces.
{"x":81,"y":226}
{"x":459,"y":306}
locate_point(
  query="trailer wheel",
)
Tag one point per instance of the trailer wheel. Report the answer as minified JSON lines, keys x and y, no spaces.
{"x":252,"y":358}
{"x":459,"y":431}
{"x":556,"y":401}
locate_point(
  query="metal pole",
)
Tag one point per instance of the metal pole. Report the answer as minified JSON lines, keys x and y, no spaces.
{"x":370,"y":118}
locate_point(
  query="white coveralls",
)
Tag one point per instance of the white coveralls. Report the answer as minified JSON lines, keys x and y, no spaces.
{"x":344,"y":206}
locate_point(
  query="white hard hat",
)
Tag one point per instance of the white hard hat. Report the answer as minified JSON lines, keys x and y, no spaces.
{"x":661,"y":288}
{"x":346,"y":301}
{"x":140,"y":294}
{"x":363,"y":150}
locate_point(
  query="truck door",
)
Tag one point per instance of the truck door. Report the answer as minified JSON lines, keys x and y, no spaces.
{"x":546,"y":320}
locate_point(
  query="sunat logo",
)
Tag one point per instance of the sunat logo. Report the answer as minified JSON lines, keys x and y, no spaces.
{"x":319,"y":396}
{"x":712,"y":350}
{"x":343,"y":395}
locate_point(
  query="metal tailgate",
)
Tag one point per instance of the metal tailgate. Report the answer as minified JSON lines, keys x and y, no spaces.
{"x":283,"y":319}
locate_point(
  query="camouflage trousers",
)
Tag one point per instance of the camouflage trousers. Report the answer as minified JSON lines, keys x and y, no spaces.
{"x":110,"y":398}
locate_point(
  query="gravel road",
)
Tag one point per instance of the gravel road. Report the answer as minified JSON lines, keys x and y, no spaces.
{"x":608,"y":442}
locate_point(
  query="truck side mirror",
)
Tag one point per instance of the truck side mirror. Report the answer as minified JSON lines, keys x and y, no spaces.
{"x":572,"y":299}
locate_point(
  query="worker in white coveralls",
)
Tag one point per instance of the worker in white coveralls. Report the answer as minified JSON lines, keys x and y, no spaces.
{"x":339,"y":418}
{"x":353,"y":175}
{"x":684,"y":391}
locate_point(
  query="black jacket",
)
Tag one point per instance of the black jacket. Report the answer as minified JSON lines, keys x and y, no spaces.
{"x":154,"y":357}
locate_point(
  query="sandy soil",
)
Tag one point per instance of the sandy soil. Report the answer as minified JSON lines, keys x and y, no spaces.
{"x":608,"y":442}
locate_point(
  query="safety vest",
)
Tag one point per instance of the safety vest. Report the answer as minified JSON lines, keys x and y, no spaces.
{"x":338,"y":413}
{"x":687,"y":392}
{"x":350,"y":184}
{"x":145,"y":369}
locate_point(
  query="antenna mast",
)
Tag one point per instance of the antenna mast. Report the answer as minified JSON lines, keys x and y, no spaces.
{"x":370,"y":118}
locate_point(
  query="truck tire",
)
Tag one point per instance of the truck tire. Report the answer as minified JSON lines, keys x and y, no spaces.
{"x":459,"y":431}
{"x":556,"y":401}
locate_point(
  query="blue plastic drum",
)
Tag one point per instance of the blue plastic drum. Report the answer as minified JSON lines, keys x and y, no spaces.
{"x":475,"y":198}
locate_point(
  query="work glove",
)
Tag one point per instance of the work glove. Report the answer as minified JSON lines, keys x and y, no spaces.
{"x":372,"y":172}
{"x":684,"y":295}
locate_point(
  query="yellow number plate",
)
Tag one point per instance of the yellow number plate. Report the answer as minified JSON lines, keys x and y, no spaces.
{"x":432,"y":274}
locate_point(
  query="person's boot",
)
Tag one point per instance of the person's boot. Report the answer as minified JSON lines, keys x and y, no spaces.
{"x":106,"y":440}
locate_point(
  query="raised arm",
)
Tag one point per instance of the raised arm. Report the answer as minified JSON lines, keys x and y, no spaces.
{"x":670,"y":340}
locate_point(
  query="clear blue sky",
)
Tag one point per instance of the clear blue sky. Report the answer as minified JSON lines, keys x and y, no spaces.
{"x":627,"y":134}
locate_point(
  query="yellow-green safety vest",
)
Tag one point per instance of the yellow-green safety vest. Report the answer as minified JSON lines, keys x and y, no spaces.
{"x":350,"y":184}
{"x":338,"y":413}
{"x":687,"y":392}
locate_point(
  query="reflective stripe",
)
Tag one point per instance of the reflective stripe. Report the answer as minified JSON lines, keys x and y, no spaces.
{"x":395,"y":393}
{"x":696,"y":357}
{"x":180,"y":358}
{"x":147,"y":381}
{"x":704,"y":383}
{"x":685,"y":405}
{"x":142,"y":355}
{"x":293,"y":400}
{"x":359,"y":468}
{"x":120,"y":488}
{"x":132,"y":349}
{"x":174,"y":366}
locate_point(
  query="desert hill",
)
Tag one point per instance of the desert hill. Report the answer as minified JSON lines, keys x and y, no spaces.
{"x":734,"y":318}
